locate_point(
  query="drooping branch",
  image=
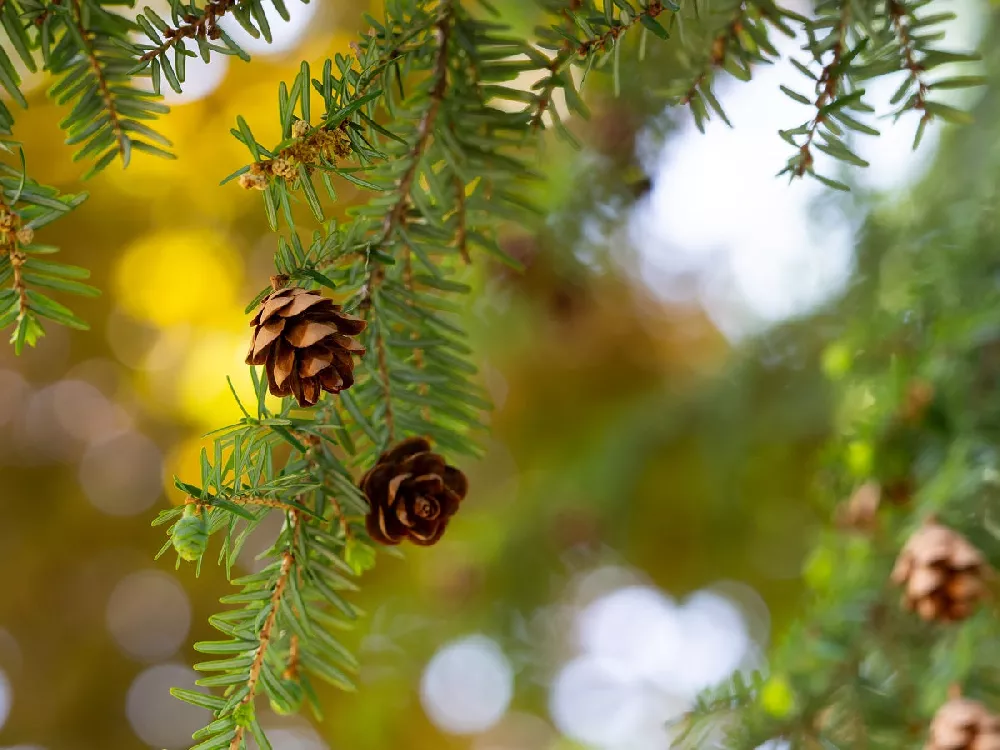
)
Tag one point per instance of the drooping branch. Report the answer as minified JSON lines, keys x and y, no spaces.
{"x":107,"y":96}
{"x":442,"y":32}
{"x":717,"y":53}
{"x":396,"y":216}
{"x":899,"y":15}
{"x":266,"y":631}
{"x":827,"y":88}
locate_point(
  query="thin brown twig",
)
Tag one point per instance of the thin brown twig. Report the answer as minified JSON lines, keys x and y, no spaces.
{"x":461,"y":236}
{"x":264,"y":640}
{"x":585,"y":48}
{"x":102,"y":81}
{"x":10,"y":241}
{"x":292,"y":670}
{"x":897,"y":12}
{"x":193,"y":27}
{"x":396,"y":215}
{"x":43,"y":16}
{"x":266,"y":502}
{"x":827,"y":85}
{"x":383,"y":368}
{"x":717,"y":54}
{"x":418,"y":353}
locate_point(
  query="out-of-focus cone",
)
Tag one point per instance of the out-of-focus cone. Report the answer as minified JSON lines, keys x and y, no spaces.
{"x":963,"y":724}
{"x":942,"y":574}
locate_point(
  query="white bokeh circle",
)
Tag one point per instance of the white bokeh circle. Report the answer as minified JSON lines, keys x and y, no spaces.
{"x":595,"y":702}
{"x":285,"y":35}
{"x":636,"y":628}
{"x":200,"y":80}
{"x":467,"y":686}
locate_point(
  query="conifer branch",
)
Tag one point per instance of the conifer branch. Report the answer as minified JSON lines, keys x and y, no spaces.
{"x":194,"y":27}
{"x":264,"y":638}
{"x":442,"y":33}
{"x":653,"y":9}
{"x":898,"y":14}
{"x":717,"y":54}
{"x":582,"y":50}
{"x":827,"y":88}
{"x":97,"y":68}
{"x":264,"y":502}
{"x":396,"y":216}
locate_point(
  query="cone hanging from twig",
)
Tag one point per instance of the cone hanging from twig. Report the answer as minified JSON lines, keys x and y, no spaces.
{"x":942,"y":574}
{"x":412,"y":494}
{"x":963,"y":724}
{"x":305,"y":343}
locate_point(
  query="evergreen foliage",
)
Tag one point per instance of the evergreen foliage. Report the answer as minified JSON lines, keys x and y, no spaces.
{"x":427,"y":116}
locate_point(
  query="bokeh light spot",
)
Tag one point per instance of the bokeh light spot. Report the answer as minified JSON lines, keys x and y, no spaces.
{"x":85,"y":413}
{"x":121,"y":476}
{"x":637,"y":628}
{"x":148,"y":615}
{"x":594,"y":701}
{"x":174,"y":277}
{"x":467,"y":686}
{"x":715,"y":640}
{"x":6,"y":698}
{"x":158,"y":718}
{"x":285,"y":35}
{"x":200,"y":80}
{"x":202,"y":391}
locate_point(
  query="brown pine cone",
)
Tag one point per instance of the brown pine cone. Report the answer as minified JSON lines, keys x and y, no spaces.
{"x":304,"y":343}
{"x":941,"y":573}
{"x":963,"y":724}
{"x":412,"y":494}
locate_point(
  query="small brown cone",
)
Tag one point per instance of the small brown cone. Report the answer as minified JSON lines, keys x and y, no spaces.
{"x":963,"y":724}
{"x":412,"y":494}
{"x":860,"y":512}
{"x":305,"y":343}
{"x":942,"y":574}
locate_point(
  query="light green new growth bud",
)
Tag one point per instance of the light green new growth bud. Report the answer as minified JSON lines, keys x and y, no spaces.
{"x":190,"y":534}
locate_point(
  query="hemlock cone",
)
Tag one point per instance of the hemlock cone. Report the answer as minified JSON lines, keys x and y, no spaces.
{"x":963,"y":724}
{"x":413,"y":494}
{"x":941,"y":573}
{"x":304,"y":343}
